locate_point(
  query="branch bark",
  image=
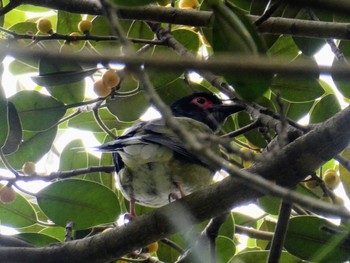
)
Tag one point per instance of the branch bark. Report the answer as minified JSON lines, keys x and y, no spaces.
{"x":297,"y":159}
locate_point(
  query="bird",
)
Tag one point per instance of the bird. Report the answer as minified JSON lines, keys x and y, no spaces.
{"x":153,"y":165}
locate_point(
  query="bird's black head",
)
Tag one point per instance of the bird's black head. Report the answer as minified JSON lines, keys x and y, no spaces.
{"x":204,"y":107}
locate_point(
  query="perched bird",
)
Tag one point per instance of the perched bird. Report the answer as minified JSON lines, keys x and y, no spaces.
{"x":152,"y":164}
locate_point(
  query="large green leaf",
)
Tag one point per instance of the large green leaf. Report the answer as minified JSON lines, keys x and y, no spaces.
{"x":225,"y":248}
{"x":325,"y":108}
{"x":233,"y":33}
{"x":17,"y":214}
{"x":73,"y":156}
{"x":17,"y":67}
{"x":37,"y":111}
{"x":85,"y":203}
{"x":174,"y":90}
{"x":128,"y":108}
{"x":101,"y":27}
{"x":14,"y":137}
{"x":34,"y":146}
{"x":86,"y":121}
{"x":55,"y":232}
{"x":188,"y":38}
{"x":316,"y":239}
{"x":69,"y":93}
{"x":270,"y":204}
{"x":296,"y":111}
{"x":342,"y":81}
{"x":67,"y":22}
{"x":284,"y":47}
{"x":297,"y":89}
{"x":4,"y":121}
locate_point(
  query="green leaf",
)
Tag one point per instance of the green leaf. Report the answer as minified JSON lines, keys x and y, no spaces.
{"x":67,"y":22}
{"x":14,"y":17}
{"x":261,"y":256}
{"x":296,"y":111}
{"x":24,"y":27}
{"x":188,"y":38}
{"x":34,"y":146}
{"x":324,"y":109}
{"x":310,"y":238}
{"x":86,"y":121}
{"x":55,"y":232}
{"x":4,"y":121}
{"x":17,"y":214}
{"x":73,"y":156}
{"x":284,"y":47}
{"x":298,"y":89}
{"x":342,"y":81}
{"x":128,"y":108}
{"x":85,"y":203}
{"x":132,"y":3}
{"x":14,"y":137}
{"x":228,"y":228}
{"x":37,"y":239}
{"x":18,"y":67}
{"x":225,"y":248}
{"x":174,"y":91}
{"x":69,"y":93}
{"x":101,"y":27}
{"x":37,"y":111}
{"x":270,"y":204}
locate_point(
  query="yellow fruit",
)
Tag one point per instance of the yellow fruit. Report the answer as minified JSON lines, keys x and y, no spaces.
{"x":44,"y":26}
{"x":110,"y":78}
{"x":7,"y":194}
{"x":28,"y":168}
{"x":152,"y":248}
{"x":331,"y":178}
{"x":101,"y":89}
{"x":311,"y":184}
{"x":74,"y":34}
{"x":188,"y":4}
{"x":85,"y":26}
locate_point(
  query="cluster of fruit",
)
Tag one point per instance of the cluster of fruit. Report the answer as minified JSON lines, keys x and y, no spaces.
{"x":44,"y":26}
{"x":104,"y":86}
{"x":7,"y":193}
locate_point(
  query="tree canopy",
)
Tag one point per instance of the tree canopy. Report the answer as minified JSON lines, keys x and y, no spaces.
{"x":99,"y":65}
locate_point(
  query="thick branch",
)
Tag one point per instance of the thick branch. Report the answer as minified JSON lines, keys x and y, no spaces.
{"x":325,"y":141}
{"x":233,"y":64}
{"x":273,"y":25}
{"x":304,"y":28}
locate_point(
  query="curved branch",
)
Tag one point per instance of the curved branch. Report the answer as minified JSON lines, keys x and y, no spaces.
{"x":296,"y":159}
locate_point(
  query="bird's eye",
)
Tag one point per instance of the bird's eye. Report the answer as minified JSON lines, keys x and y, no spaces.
{"x":202,"y":102}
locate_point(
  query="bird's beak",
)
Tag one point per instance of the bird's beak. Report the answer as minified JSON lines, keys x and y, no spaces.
{"x":224,"y":110}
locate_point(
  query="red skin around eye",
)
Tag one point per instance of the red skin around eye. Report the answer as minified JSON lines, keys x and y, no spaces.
{"x":202,"y":102}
